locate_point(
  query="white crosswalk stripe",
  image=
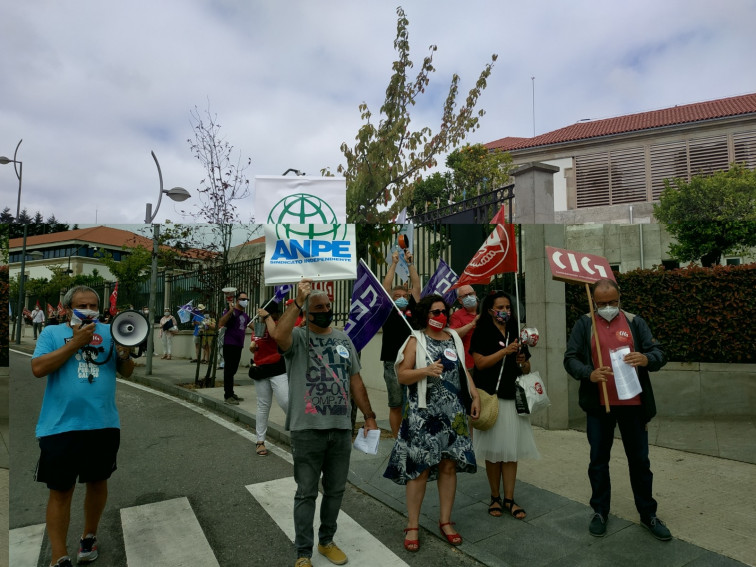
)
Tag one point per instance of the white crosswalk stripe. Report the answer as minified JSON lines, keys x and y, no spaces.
{"x":24,"y":544}
{"x":165,"y":534}
{"x":361,"y":547}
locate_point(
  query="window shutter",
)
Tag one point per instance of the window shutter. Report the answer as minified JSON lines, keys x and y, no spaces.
{"x":592,"y":180}
{"x":628,"y":176}
{"x":708,"y":155}
{"x":745,"y":148}
{"x":668,"y":161}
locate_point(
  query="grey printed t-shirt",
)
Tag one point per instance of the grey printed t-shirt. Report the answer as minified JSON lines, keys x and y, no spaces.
{"x":319,"y":380}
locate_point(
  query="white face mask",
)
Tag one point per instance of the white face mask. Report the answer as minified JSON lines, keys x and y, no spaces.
{"x":244,"y":303}
{"x":608,"y":312}
{"x":88,"y":314}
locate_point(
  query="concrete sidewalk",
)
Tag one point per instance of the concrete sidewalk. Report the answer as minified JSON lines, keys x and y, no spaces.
{"x":707,"y":501}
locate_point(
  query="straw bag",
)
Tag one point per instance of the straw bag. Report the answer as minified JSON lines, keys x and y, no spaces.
{"x":489,"y":411}
{"x":489,"y":406}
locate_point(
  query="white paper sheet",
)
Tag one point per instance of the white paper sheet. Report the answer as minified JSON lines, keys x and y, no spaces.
{"x":368,"y":444}
{"x":625,"y":375}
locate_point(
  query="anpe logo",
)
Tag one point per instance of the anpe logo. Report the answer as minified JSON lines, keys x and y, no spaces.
{"x":491,"y":254}
{"x":332,"y":231}
{"x":310,"y":249}
{"x":301,"y":208}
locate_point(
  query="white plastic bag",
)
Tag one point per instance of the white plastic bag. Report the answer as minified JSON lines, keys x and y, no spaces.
{"x":535,"y":391}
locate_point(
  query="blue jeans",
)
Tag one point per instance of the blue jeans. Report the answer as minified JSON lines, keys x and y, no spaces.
{"x":600,"y":430}
{"x":315,"y":451}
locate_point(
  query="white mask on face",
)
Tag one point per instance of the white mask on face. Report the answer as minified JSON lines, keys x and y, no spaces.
{"x":88,"y":314}
{"x":608,"y":312}
{"x":244,"y":303}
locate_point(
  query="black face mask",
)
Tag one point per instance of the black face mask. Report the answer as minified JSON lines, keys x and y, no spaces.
{"x":323,"y":319}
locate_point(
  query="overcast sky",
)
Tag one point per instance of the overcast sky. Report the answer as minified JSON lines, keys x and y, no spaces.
{"x":93,"y":86}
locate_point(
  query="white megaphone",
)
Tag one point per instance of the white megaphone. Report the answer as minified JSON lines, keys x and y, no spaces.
{"x":129,"y":328}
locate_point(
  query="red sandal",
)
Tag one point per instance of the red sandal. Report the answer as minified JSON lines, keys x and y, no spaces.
{"x":412,"y":544}
{"x":454,"y":539}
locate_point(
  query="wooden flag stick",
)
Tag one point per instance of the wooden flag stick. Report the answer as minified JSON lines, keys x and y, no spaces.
{"x":598,"y":346}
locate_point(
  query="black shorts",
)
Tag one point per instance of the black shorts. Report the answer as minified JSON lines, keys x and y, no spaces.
{"x":89,"y":455}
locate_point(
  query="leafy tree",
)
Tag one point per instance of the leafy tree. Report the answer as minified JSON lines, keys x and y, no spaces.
{"x":132,"y":269}
{"x":6,"y":217}
{"x":710,"y":216}
{"x":388,"y":156}
{"x":34,"y":225}
{"x":473,"y":170}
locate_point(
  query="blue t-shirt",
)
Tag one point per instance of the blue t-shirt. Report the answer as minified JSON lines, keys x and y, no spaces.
{"x":72,"y":402}
{"x":199,"y":319}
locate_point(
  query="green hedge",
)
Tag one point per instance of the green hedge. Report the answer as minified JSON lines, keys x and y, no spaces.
{"x":698,"y":314}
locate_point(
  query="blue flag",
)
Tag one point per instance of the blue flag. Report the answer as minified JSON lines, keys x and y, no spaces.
{"x":371,"y":306}
{"x":440,"y":282}
{"x":281,"y":292}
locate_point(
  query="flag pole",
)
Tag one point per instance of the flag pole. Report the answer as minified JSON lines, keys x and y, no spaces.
{"x":598,"y":346}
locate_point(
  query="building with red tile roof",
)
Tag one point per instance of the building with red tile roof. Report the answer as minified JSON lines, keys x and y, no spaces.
{"x":613,"y":167}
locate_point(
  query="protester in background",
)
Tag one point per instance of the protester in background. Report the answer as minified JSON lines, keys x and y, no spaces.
{"x":464,"y":320}
{"x":498,"y":354}
{"x":269,"y":374}
{"x":78,"y":427}
{"x":324,"y":377}
{"x":434,"y":439}
{"x":168,"y":326}
{"x":615,"y":329}
{"x":38,"y":321}
{"x":395,"y":332}
{"x":236,"y":320}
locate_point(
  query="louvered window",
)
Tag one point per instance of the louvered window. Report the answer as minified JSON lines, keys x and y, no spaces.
{"x":592,"y":180}
{"x":668,"y":161}
{"x":627,"y":176}
{"x":708,"y":155}
{"x":745,"y":148}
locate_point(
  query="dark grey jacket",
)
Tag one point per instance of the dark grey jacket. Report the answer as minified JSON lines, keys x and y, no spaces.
{"x":579,"y":364}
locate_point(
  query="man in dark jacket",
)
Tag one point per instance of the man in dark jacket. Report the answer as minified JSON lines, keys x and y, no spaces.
{"x":616,"y":329}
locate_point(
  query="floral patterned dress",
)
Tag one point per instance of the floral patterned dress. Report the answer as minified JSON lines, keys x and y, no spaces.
{"x":436,"y":432}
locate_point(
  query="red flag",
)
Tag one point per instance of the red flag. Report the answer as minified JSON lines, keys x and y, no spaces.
{"x":50,"y":310}
{"x":500,"y":217}
{"x":113,"y":299}
{"x":26,"y":312}
{"x":498,"y":255}
{"x":37,"y":307}
{"x":61,"y":311}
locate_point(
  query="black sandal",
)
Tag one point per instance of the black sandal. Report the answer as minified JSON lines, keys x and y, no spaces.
{"x":518,"y":514}
{"x":492,"y":509}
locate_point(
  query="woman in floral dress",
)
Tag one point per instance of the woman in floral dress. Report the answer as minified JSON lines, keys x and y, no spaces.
{"x":434,"y":439}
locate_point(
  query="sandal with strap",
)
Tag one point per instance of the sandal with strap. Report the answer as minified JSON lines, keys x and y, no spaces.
{"x":260,"y":449}
{"x":454,"y":539}
{"x":412,"y":544}
{"x":497,"y":511}
{"x":518,"y":514}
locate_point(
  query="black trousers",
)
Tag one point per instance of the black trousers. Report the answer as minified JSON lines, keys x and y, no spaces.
{"x":231,"y":358}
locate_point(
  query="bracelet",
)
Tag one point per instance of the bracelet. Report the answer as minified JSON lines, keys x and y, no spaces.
{"x":297,"y":305}
{"x":370,"y":415}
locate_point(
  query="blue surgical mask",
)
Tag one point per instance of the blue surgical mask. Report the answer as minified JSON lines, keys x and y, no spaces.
{"x":402,"y":303}
{"x":469,"y":301}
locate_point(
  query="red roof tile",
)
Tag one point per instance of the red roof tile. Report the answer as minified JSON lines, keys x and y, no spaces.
{"x":721,"y":108}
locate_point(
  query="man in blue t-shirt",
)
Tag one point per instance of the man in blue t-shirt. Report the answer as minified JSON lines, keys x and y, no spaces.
{"x":78,"y":427}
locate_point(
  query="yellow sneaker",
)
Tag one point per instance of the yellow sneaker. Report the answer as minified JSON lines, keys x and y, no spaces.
{"x":303,"y":562}
{"x":332,"y":553}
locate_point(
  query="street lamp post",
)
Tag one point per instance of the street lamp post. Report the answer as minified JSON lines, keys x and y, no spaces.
{"x":176,"y":194}
{"x":18,"y":166}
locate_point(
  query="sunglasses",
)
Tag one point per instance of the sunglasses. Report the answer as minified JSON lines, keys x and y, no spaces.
{"x":436,"y":312}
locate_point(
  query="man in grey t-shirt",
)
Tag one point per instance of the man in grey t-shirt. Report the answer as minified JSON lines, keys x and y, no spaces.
{"x":323,"y":370}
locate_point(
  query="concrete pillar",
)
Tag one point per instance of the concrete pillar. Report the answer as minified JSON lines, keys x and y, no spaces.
{"x":534,"y":193}
{"x":167,"y":291}
{"x":545,"y":309}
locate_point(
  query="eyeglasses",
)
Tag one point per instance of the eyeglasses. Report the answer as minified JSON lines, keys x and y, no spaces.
{"x":436,"y":312}
{"x":613,"y":303}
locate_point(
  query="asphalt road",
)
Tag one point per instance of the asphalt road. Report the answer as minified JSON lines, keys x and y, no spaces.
{"x":170,"y":451}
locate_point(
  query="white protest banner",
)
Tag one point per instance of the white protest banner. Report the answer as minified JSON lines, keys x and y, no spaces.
{"x":316,"y":251}
{"x":300,"y":200}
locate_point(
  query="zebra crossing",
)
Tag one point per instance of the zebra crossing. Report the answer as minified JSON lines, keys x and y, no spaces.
{"x":168,"y":533}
